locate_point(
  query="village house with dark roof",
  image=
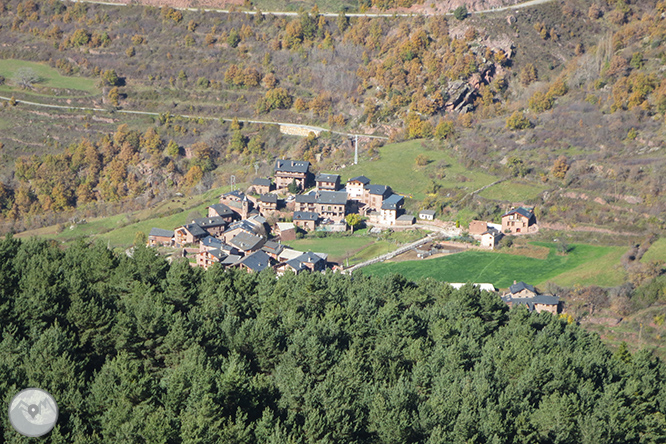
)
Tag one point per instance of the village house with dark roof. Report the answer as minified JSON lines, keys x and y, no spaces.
{"x":215,"y":225}
{"x":267,"y":203}
{"x":223,"y":211}
{"x":288,"y":171}
{"x":255,"y":262}
{"x":306,"y":220}
{"x":262,"y":186}
{"x":331,"y":205}
{"x":390,"y":209}
{"x":328,"y":182}
{"x":189,"y":234}
{"x":355,"y":187}
{"x":247,"y":243}
{"x":519,"y":221}
{"x":524,"y":294}
{"x":160,"y":237}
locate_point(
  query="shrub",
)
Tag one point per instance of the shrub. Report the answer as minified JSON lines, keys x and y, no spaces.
{"x":518,"y":121}
{"x":460,"y":13}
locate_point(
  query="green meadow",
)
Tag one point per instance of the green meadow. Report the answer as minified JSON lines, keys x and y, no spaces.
{"x":584,"y":265}
{"x":50,"y":76}
{"x":397,"y":168}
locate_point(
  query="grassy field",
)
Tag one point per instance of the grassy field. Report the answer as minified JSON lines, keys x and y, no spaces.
{"x":514,"y":191}
{"x":357,"y":248}
{"x":51,"y":77}
{"x":584,"y":264}
{"x":397,"y":168}
{"x":121,"y":229}
{"x":656,"y":252}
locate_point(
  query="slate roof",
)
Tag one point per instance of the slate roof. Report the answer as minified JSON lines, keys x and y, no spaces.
{"x":364,"y":180}
{"x":428,"y":212}
{"x":235,"y":193}
{"x":406,"y":218}
{"x":392,"y":202}
{"x":257,"y":261}
{"x":273,"y":247}
{"x":246,"y":241}
{"x":310,"y":258}
{"x":520,"y":286}
{"x":195,"y":229}
{"x":305,"y":215}
{"x":543,"y":299}
{"x":522,"y":211}
{"x":243,"y":225}
{"x":332,"y":197}
{"x":261,"y":182}
{"x":222,"y":209}
{"x":306,"y":198}
{"x":268,"y":198}
{"x":159,"y":232}
{"x":327,"y":177}
{"x":206,"y":222}
{"x":378,"y":189}
{"x":296,"y":265}
{"x":211,"y":241}
{"x":292,"y":166}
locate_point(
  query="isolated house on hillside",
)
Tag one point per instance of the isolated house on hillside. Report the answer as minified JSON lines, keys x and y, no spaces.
{"x":328,"y":182}
{"x":523,"y":294}
{"x":355,"y":187}
{"x":288,"y":171}
{"x":427,"y":214}
{"x":519,"y":221}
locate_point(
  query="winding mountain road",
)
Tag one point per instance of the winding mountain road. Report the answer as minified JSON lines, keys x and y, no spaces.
{"x":315,"y":129}
{"x":331,"y":14}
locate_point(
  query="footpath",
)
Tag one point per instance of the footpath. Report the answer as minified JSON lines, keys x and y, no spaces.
{"x":391,"y":255}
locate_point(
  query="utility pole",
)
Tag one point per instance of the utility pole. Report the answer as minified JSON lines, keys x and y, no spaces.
{"x":232,"y":182}
{"x":356,"y":151}
{"x":256,"y":168}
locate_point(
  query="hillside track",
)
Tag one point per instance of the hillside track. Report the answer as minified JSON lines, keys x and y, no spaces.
{"x":331,"y":14}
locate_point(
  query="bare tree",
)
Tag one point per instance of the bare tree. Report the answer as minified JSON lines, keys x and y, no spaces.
{"x":26,"y":77}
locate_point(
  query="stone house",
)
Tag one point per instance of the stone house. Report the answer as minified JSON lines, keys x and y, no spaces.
{"x":390,"y":209}
{"x":523,"y":294}
{"x":286,"y":231}
{"x":159,"y":237}
{"x":262,"y":186}
{"x":490,"y":238}
{"x":519,"y":221}
{"x":328,"y":182}
{"x":189,"y":234}
{"x":374,"y":195}
{"x":223,"y":211}
{"x":306,"y":220}
{"x":288,"y":171}
{"x":331,"y":205}
{"x":305,"y":202}
{"x":355,"y":187}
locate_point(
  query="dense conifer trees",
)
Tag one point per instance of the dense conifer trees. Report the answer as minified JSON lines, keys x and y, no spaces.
{"x":136,"y":350}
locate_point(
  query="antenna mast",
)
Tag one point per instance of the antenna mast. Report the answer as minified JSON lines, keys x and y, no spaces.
{"x":232,"y":182}
{"x":356,"y":151}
